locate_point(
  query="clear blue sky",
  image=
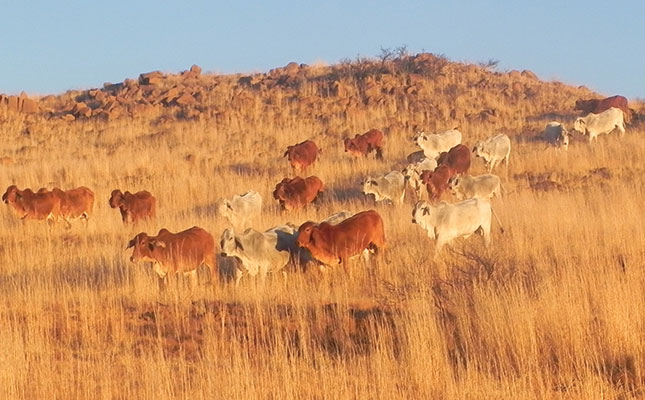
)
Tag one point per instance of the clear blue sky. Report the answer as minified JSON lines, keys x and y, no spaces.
{"x":48,"y":47}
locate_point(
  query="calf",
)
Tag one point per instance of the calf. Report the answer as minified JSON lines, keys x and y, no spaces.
{"x":134,"y":207}
{"x":302,"y":155}
{"x":436,"y":181}
{"x":297,"y":192}
{"x":457,"y":159}
{"x":362,"y":145}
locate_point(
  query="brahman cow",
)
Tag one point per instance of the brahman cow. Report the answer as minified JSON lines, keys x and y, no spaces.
{"x":241,"y":208}
{"x":457,"y":159}
{"x":603,"y":123}
{"x":436,"y":181}
{"x":302,"y":155}
{"x":134,"y":207}
{"x":445,"y":222}
{"x":596,"y":106}
{"x":75,"y":204}
{"x":494,"y":150}
{"x":297,"y":192}
{"x":362,"y":145}
{"x":556,"y":135}
{"x":435,"y":144}
{"x":390,"y":186}
{"x":334,"y":244}
{"x":412,"y":173}
{"x":260,"y":252}
{"x":29,"y":205}
{"x":174,"y":253}
{"x":476,"y":187}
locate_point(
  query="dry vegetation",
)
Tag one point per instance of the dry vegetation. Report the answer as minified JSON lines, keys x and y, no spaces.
{"x":555,"y":308}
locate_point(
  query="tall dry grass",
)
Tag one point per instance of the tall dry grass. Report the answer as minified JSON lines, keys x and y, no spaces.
{"x":553,"y":309}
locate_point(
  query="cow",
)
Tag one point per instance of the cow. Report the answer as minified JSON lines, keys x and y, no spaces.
{"x":416,"y":157}
{"x":457,"y":159}
{"x":240,"y":208}
{"x":412,"y":173}
{"x":390,"y":186}
{"x":302,"y":155}
{"x":259,"y":252}
{"x":476,"y":187}
{"x":29,"y":205}
{"x":335,"y":244}
{"x":596,"y":106}
{"x":555,"y":134}
{"x":175,"y":253}
{"x":435,"y":144}
{"x":598,"y":124}
{"x":298,"y":192}
{"x":436,"y":181}
{"x":445,"y":222}
{"x":494,"y":150}
{"x":75,"y":203}
{"x":362,"y":145}
{"x":134,"y":207}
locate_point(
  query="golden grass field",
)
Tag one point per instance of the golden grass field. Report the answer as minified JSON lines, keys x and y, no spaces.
{"x":555,"y":308}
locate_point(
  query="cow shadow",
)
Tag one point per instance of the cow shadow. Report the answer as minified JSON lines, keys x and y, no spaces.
{"x":553,"y":116}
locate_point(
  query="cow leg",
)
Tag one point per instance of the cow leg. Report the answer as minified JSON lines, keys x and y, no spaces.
{"x":238,"y":276}
{"x":621,"y":128}
{"x":193,"y":279}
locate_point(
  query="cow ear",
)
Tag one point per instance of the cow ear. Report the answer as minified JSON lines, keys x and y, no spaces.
{"x":286,"y":153}
{"x":426,"y":211}
{"x":238,"y":244}
{"x":131,"y":243}
{"x":228,"y":205}
{"x":373,"y":183}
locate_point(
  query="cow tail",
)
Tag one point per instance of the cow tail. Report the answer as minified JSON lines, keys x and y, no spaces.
{"x":501,"y":227}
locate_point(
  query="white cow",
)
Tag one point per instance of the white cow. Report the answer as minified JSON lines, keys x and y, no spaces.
{"x":476,"y":187}
{"x":390,"y":186}
{"x":556,"y":135}
{"x":603,"y":123}
{"x":412,"y":174}
{"x":494,"y":150}
{"x":259,"y":252}
{"x":445,"y":222}
{"x":435,"y":144}
{"x":241,"y":208}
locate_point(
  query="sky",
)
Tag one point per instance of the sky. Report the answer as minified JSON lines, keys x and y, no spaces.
{"x":48,"y":47}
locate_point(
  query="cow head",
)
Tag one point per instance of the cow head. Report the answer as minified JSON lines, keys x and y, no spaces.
{"x":288,"y":152}
{"x":477,"y":150}
{"x":419,"y":138}
{"x":145,"y":247}
{"x":224,"y":207}
{"x":421,"y":215}
{"x":10,"y":195}
{"x":580,"y":125}
{"x":453,"y":182}
{"x":368,"y":184}
{"x":306,"y":236}
{"x":116,"y":198}
{"x":563,"y":139}
{"x":352,"y":147}
{"x":230,"y":244}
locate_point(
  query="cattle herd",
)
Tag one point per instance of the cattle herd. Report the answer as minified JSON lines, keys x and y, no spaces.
{"x":441,"y":164}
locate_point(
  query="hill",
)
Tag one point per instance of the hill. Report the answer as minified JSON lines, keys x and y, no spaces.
{"x":554,"y":308}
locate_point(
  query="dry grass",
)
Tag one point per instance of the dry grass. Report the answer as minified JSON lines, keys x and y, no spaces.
{"x":553,"y":309}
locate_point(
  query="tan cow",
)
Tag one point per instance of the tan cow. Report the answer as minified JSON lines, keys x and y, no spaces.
{"x":134,"y":207}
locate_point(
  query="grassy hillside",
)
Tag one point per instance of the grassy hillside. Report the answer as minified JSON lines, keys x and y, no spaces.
{"x":553,"y":309}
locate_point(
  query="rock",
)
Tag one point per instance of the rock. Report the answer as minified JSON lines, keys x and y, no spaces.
{"x":68,"y":117}
{"x":29,"y":106}
{"x":528,"y":74}
{"x":151,"y":78}
{"x":196,"y":70}
{"x":185,"y":100}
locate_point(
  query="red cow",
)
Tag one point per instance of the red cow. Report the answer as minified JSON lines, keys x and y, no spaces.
{"x":596,"y":106}
{"x":457,"y":159}
{"x":302,"y":155}
{"x":334,"y":244}
{"x":362,"y":145}
{"x":297,"y":192}
{"x":437,"y":181}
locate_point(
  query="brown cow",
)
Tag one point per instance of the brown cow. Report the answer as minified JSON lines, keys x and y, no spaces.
{"x":75,"y":203}
{"x":437,"y":181}
{"x":457,"y":159}
{"x":302,"y":155}
{"x":335,"y":244}
{"x":134,"y":207}
{"x":362,"y":145}
{"x":297,"y":192}
{"x":29,"y":205}
{"x":173,"y":253}
{"x":596,"y":106}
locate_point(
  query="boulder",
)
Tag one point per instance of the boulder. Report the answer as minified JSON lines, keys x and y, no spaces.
{"x":151,"y":78}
